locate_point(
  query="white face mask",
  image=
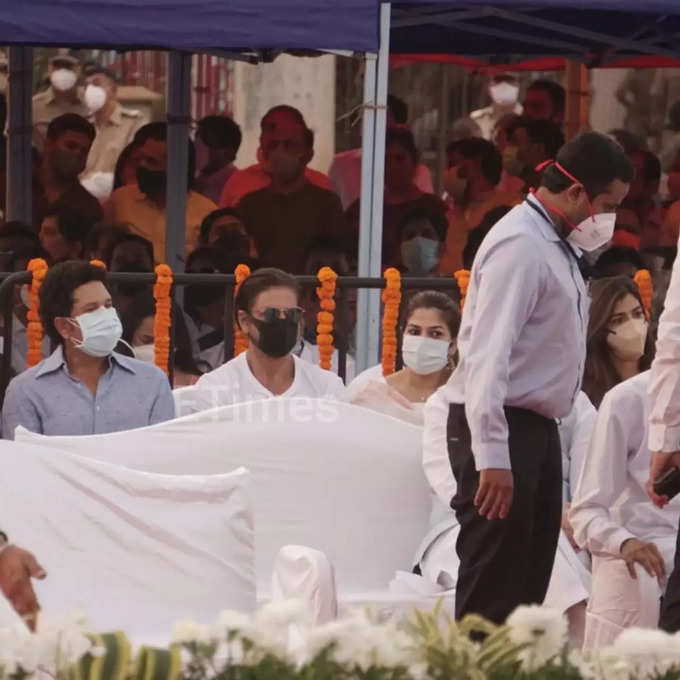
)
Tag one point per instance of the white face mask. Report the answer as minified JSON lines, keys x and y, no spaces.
{"x":424,"y":355}
{"x":101,"y":331}
{"x":627,"y":342}
{"x":145,"y":353}
{"x":420,"y":255}
{"x":63,"y":79}
{"x":504,"y":94}
{"x":593,"y":232}
{"x":95,"y":98}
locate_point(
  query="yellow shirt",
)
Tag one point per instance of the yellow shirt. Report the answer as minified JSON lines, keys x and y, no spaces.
{"x":129,"y":204}
{"x":46,"y":108}
{"x":111,"y":139}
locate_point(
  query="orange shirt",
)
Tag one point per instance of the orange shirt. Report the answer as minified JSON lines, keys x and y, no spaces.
{"x":254,"y":178}
{"x":129,"y":204}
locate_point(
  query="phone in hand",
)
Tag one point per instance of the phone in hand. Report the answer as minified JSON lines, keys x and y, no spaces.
{"x":668,"y":484}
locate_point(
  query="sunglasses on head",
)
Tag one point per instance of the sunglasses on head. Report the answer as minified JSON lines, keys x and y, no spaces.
{"x":271,"y":314}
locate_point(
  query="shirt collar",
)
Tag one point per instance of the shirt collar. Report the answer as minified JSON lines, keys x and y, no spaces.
{"x":542,"y":219}
{"x":56,"y":360}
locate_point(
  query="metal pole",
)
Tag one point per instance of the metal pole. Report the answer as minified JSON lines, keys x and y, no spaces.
{"x":19,"y":134}
{"x":179,"y":119}
{"x":372,"y":186}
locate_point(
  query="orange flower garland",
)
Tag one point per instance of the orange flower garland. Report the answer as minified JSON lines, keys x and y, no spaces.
{"x":463,"y":279}
{"x":98,"y":263}
{"x":241,"y":273}
{"x":325,"y":319}
{"x":643,"y":279}
{"x":34,"y":329}
{"x":391,"y":298}
{"x":161,"y":326}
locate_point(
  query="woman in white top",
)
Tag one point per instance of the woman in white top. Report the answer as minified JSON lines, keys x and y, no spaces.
{"x":428,"y":350}
{"x":267,"y":310}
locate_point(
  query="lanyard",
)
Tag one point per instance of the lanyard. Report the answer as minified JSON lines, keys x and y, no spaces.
{"x":542,"y":212}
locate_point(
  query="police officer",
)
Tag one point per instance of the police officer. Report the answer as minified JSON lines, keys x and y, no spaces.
{"x":522,"y":351}
{"x":116,"y":126}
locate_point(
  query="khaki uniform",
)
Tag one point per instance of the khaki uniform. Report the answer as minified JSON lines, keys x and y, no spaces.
{"x":46,"y":108}
{"x":111,"y":139}
{"x":486,"y":119}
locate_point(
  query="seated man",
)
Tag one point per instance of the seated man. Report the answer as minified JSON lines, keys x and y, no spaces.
{"x":63,"y":232}
{"x":143,"y":205}
{"x":84,"y":387}
{"x":422,"y":235}
{"x":287,"y":216}
{"x":632,"y":541}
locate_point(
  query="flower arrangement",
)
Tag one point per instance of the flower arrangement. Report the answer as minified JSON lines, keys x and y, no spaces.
{"x":325,"y":319}
{"x":391,"y":297}
{"x":241,"y":273}
{"x":643,"y":279}
{"x":34,"y":329}
{"x":280,"y":643}
{"x":161,"y":325}
{"x":462,"y":277}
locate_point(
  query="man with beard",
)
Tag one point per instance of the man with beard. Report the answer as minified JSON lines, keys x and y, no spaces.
{"x":287,"y":216}
{"x":68,"y":142}
{"x":143,"y":205}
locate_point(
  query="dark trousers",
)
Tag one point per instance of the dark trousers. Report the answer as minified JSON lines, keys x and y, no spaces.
{"x":505,"y":563}
{"x":670,"y":606}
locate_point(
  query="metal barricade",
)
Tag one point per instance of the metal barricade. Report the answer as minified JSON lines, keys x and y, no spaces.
{"x":9,"y":280}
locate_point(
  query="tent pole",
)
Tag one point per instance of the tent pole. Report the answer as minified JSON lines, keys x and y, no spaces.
{"x":19,"y":135}
{"x":179,"y":119}
{"x":372,"y":185}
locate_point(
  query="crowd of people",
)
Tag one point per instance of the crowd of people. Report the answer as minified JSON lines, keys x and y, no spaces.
{"x":551,"y":356}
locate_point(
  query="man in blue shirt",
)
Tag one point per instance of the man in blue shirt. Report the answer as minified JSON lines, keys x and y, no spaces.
{"x":84,"y":387}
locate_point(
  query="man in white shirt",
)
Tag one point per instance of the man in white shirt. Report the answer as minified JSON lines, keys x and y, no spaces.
{"x":504,"y":93}
{"x":664,"y":426}
{"x":522,"y":351}
{"x":632,"y":542}
{"x":268,"y":313}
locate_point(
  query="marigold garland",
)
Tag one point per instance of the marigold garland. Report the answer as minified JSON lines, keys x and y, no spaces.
{"x":391,"y":297}
{"x":241,"y":273}
{"x":98,"y":263}
{"x":34,"y":329}
{"x":161,"y":326}
{"x":462,"y":277}
{"x":643,"y":279}
{"x":325,"y":319}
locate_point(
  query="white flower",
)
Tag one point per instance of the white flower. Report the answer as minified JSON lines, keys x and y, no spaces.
{"x":642,"y":651}
{"x":283,"y":613}
{"x":188,"y":632}
{"x":543,"y":629}
{"x":230,"y":621}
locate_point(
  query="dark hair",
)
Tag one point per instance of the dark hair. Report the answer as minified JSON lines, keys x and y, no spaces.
{"x":629,"y":141}
{"x":478,"y":148}
{"x":651,"y":170}
{"x":123,"y":158}
{"x":434,"y":299}
{"x":56,"y":292}
{"x":436,"y":218}
{"x":73,"y":225}
{"x":260,"y":281}
{"x":159,"y":132}
{"x":211,"y":218}
{"x":555,"y":92}
{"x":127,"y":238}
{"x":70,"y":122}
{"x":219,"y":132}
{"x":544,"y":132}
{"x":284,"y":108}
{"x":403,"y":137}
{"x":604,"y":267}
{"x":115,"y":229}
{"x":594,"y":160}
{"x":600,"y":376}
{"x":478,"y":234}
{"x":397,"y":109}
{"x":505,"y":78}
{"x":98,"y":70}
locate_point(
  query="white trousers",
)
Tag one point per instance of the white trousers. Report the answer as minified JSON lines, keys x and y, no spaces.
{"x":618,"y":601}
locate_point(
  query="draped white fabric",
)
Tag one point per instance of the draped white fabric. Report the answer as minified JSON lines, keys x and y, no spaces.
{"x":132,"y":550}
{"x":328,"y":475}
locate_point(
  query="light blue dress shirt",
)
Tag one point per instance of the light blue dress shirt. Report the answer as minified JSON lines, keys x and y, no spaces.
{"x":48,"y":400}
{"x":522,"y":340}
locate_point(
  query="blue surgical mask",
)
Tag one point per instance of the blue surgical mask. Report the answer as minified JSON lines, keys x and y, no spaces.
{"x":420,"y":255}
{"x":101,"y":330}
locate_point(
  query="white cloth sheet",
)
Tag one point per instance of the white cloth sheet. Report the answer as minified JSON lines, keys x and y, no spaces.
{"x":134,"y":551}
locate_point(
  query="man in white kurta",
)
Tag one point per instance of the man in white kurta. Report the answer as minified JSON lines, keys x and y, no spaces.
{"x":632,"y":542}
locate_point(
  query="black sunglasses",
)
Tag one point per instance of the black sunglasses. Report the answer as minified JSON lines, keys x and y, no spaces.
{"x":271,"y":314}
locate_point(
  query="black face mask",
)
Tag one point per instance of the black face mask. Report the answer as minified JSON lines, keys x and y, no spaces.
{"x":276,"y":338}
{"x":152,"y":182}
